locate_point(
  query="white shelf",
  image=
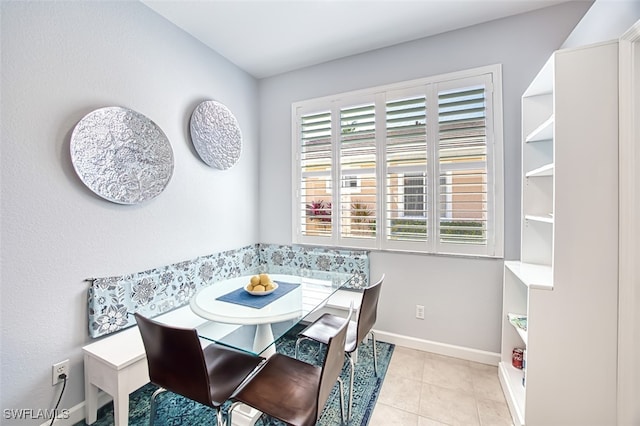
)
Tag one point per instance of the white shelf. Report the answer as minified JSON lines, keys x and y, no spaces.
{"x":521,"y":332}
{"x":546,"y":170}
{"x":543,"y":132}
{"x":539,"y":218}
{"x":532,"y":275}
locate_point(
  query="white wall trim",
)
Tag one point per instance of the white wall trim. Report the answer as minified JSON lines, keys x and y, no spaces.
{"x":446,"y":349}
{"x":629,"y":233}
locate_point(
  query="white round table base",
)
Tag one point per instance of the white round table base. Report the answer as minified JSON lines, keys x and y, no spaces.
{"x":264,"y":337}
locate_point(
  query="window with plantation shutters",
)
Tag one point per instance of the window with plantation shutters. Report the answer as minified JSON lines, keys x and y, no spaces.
{"x":414,"y":166}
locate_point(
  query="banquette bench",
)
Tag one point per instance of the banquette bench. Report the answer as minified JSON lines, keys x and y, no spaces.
{"x":116,"y":361}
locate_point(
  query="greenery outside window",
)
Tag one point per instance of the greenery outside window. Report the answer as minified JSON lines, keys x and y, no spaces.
{"x":415,"y":166}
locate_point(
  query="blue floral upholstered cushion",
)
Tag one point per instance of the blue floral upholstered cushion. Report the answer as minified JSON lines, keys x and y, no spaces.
{"x":113,"y":300}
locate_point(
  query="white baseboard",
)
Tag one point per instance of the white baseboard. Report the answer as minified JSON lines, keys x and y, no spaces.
{"x":483,"y":357}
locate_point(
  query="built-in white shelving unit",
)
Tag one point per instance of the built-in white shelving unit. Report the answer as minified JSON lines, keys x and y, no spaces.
{"x":565,"y":282}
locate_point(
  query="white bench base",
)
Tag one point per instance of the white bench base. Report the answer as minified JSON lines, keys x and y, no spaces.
{"x":117,"y":366}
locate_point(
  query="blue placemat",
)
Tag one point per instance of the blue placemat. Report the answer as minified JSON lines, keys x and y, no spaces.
{"x":241,"y":297}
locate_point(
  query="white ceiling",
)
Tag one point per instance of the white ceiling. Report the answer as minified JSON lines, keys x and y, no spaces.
{"x":269,"y":37}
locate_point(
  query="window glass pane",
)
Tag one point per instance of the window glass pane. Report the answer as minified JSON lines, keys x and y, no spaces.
{"x":463,"y":165}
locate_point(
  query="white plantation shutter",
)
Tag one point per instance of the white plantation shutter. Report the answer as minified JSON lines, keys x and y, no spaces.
{"x":406,"y":204}
{"x":315,"y":153}
{"x":358,"y":183}
{"x":462,"y":152}
{"x":414,"y":166}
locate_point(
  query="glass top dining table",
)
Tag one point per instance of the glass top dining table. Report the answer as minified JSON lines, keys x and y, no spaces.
{"x":253,"y":323}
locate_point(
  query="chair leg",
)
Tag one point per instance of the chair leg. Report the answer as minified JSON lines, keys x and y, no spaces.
{"x":298,"y":340}
{"x":220,"y":420}
{"x":352,"y":364}
{"x":341,"y":390}
{"x":152,"y":406}
{"x":375,"y":354}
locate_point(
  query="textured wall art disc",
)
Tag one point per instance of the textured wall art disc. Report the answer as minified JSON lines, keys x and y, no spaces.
{"x":216,"y":135}
{"x":121,"y":155}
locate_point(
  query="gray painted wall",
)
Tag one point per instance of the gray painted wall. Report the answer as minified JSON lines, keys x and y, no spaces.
{"x":462,"y":296}
{"x":605,"y":20}
{"x":61,"y":60}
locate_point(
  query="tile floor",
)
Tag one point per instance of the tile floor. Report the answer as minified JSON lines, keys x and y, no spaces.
{"x":425,"y":389}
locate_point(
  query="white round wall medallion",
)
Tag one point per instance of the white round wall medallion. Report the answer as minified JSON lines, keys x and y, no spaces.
{"x":216,"y":135}
{"x":121,"y":155}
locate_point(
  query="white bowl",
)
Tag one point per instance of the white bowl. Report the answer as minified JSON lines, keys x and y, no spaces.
{"x":261,"y":293}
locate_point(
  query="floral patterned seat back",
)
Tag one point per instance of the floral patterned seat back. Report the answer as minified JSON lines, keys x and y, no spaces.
{"x":112,"y":301}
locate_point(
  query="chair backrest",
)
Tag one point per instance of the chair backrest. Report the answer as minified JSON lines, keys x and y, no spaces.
{"x":333,"y":362}
{"x":175,"y":359}
{"x":368,"y":309}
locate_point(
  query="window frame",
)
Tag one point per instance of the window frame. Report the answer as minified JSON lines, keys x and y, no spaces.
{"x":492,"y":77}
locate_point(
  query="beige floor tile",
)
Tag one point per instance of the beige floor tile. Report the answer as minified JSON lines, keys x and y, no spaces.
{"x":401,"y":393}
{"x":449,"y":359}
{"x":495,"y":421}
{"x":451,"y":373}
{"x":453,"y":407}
{"x":483,"y":367}
{"x":453,"y":392}
{"x":493,"y":413}
{"x":386,"y":415}
{"x":423,"y":421}
{"x":407,"y":363}
{"x":486,"y":384}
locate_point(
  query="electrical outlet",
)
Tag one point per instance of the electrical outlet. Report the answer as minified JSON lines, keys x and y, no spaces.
{"x":60,"y":368}
{"x":420,"y":311}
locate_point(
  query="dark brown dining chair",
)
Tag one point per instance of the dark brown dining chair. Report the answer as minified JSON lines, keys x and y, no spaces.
{"x":293,"y":391}
{"x":178,"y":363}
{"x":325,"y":326}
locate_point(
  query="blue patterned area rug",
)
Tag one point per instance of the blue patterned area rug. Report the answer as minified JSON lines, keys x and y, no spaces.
{"x":174,"y":410}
